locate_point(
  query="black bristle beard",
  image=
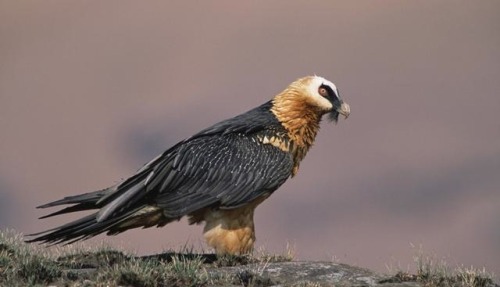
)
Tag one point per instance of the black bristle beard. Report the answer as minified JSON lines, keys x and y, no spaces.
{"x":333,"y":116}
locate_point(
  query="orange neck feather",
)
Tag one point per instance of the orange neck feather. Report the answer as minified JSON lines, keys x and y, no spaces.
{"x":299,"y":118}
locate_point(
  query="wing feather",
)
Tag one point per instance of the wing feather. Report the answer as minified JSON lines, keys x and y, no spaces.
{"x":227,"y":170}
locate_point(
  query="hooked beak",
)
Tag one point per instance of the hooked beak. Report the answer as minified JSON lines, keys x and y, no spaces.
{"x":344,"y":110}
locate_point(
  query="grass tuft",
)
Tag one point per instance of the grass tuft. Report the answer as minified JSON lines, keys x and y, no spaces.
{"x":433,"y":272}
{"x":190,"y":271}
{"x":133,"y":272}
{"x":24,"y":265}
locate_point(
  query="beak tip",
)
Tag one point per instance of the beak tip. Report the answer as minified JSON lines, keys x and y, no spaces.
{"x":345,"y":110}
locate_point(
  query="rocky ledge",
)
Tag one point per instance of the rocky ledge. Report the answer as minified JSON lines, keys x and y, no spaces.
{"x":297,"y":273}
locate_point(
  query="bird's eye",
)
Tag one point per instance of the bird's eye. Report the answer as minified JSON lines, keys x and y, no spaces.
{"x":323,"y":92}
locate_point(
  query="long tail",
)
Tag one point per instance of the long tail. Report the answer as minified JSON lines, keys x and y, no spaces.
{"x":82,"y":202}
{"x":82,"y":228}
{"x":120,"y":207}
{"x":89,"y":226}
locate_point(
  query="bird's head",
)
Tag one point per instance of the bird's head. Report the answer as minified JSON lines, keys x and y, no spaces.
{"x":309,"y":98}
{"x":322,"y":95}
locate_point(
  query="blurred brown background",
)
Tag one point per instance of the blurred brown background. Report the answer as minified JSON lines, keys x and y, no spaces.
{"x":91,"y":90}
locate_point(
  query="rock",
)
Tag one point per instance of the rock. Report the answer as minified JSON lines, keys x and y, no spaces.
{"x":299,"y":273}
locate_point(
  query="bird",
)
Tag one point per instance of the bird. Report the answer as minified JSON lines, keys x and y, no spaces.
{"x":218,"y":176}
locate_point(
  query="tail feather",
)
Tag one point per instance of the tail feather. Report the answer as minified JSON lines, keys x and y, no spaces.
{"x":88,"y":226}
{"x":117,"y":209}
{"x":82,"y":202}
{"x":80,"y":229}
{"x":74,"y":208}
{"x":65,"y":232}
{"x":90,"y":197}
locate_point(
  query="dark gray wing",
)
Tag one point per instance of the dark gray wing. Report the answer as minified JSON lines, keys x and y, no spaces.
{"x":222,"y":170}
